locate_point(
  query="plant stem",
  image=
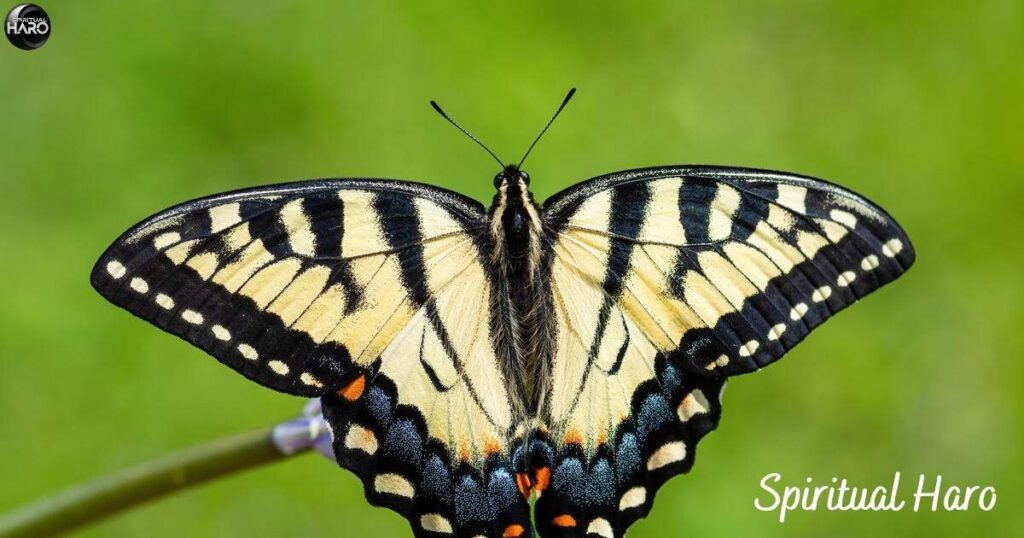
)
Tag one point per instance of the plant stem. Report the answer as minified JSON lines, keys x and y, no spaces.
{"x":92,"y":501}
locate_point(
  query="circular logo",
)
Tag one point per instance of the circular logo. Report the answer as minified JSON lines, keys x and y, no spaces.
{"x":27,"y":26}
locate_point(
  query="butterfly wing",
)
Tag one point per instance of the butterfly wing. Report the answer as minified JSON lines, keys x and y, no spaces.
{"x":370,"y":294}
{"x":665,"y":282}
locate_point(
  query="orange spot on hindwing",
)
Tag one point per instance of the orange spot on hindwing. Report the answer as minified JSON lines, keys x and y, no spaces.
{"x":537,"y":484}
{"x":463,"y":451}
{"x":564,"y":520}
{"x":513,"y":531}
{"x":492,"y":446}
{"x":541,"y":479}
{"x":573,"y":437}
{"x":523,"y":483}
{"x":354,"y":389}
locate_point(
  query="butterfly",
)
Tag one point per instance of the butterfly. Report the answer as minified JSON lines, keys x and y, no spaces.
{"x":471,"y":361}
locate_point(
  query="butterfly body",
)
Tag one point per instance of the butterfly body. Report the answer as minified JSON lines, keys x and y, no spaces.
{"x":473,"y":360}
{"x":521,"y":306}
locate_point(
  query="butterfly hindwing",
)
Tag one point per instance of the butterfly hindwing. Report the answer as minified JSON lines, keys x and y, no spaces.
{"x":370,"y":294}
{"x":429,"y":438}
{"x":665,"y":282}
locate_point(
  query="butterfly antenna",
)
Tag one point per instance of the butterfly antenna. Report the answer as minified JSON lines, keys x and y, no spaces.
{"x":565,"y":101}
{"x":445,"y":115}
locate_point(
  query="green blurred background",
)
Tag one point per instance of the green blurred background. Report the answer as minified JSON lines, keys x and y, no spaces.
{"x":132,"y":107}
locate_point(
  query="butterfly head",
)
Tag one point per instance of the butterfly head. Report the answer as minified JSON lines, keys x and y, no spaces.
{"x":514,"y":216}
{"x":512,"y":175}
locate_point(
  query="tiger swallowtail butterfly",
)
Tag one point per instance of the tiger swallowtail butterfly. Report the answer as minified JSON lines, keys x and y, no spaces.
{"x":472,"y":360}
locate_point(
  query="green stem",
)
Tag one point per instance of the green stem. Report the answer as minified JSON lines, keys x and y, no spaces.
{"x":89,"y":502}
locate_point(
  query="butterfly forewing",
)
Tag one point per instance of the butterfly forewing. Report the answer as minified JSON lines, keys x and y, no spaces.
{"x":667,"y":281}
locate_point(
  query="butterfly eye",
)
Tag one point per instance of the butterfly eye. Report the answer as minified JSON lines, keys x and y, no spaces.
{"x":525,"y":176}
{"x":498,"y":179}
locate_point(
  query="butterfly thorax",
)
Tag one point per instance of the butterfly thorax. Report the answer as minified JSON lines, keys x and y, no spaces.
{"x":517,"y":241}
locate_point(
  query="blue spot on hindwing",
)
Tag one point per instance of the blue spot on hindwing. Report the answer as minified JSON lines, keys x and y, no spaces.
{"x":471,"y":504}
{"x":502,"y":489}
{"x":379,"y":405}
{"x":436,"y":482}
{"x":403,"y":442}
{"x":601,"y":484}
{"x":654,"y":412}
{"x":627,"y":458}
{"x":670,"y":379}
{"x":569,"y":480}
